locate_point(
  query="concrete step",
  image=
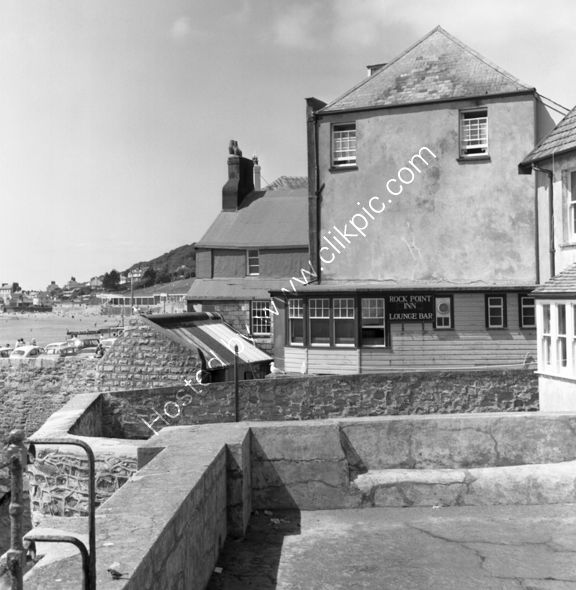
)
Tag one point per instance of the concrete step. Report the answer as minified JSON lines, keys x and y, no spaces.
{"x":550,"y":483}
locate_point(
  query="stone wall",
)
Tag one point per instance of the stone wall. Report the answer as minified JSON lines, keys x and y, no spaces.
{"x":142,"y":358}
{"x":137,"y":414}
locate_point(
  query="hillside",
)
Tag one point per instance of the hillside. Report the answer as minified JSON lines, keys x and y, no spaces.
{"x":178,"y":263}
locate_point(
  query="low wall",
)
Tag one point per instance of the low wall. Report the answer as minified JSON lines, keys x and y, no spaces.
{"x":138,"y":414}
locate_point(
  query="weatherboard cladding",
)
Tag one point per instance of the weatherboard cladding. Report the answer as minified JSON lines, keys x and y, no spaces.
{"x":271,"y":219}
{"x":562,"y":283}
{"x":561,"y":139}
{"x":438,"y":67}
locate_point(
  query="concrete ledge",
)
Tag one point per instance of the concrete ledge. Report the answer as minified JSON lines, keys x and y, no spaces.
{"x":552,"y":483}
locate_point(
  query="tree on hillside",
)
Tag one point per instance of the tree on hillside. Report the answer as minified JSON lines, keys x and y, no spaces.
{"x":163,"y":276}
{"x":15,"y":287}
{"x":148,"y":278}
{"x":111,"y":280}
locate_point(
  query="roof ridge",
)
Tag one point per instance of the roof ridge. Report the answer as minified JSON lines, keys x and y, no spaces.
{"x":447,"y":35}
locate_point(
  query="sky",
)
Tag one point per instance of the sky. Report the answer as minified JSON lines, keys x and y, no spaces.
{"x":115,"y":115}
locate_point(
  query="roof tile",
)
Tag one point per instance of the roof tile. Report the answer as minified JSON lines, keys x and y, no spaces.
{"x":438,"y":67}
{"x":563,"y":282}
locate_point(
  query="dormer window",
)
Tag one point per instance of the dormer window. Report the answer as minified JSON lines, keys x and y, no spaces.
{"x":473,"y":133}
{"x":344,"y":145}
{"x":252,"y":262}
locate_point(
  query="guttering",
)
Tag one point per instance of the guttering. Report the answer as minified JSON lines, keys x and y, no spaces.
{"x":550,"y":175}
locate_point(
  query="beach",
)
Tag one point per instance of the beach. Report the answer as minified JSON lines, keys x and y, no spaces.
{"x":46,"y":327}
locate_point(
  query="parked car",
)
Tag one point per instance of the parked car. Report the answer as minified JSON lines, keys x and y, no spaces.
{"x":5,"y":351}
{"x":107,"y":342}
{"x":60,"y":349}
{"x":86,"y":345}
{"x":24,"y":352}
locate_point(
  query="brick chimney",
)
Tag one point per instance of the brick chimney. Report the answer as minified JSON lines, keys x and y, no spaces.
{"x":240,"y":179}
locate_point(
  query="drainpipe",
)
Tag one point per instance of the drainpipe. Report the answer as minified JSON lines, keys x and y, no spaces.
{"x":550,"y":175}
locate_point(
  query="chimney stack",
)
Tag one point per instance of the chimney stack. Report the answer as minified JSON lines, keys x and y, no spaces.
{"x":240,"y":178}
{"x":257,"y":181}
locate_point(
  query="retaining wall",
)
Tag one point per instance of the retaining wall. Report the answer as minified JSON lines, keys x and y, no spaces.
{"x":137,"y":414}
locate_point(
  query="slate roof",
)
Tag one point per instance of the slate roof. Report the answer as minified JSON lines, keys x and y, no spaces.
{"x":564,"y":283}
{"x":266,"y":219}
{"x":438,"y":67}
{"x":179,"y":287}
{"x":561,"y":139}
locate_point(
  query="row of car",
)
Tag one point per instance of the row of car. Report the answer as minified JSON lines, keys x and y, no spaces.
{"x":90,"y":346}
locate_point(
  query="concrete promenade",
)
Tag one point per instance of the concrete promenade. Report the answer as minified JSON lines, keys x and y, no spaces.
{"x":455,"y":548}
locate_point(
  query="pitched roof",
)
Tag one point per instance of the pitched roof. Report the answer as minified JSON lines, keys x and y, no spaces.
{"x":561,"y":139}
{"x":564,"y":283}
{"x":288,"y":182}
{"x":178,"y":287}
{"x":266,"y":219}
{"x":438,"y":67}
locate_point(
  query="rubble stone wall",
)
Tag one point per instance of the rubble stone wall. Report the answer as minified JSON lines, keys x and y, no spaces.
{"x":138,"y":414}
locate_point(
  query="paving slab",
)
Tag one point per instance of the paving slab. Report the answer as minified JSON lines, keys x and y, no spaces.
{"x":421,"y":548}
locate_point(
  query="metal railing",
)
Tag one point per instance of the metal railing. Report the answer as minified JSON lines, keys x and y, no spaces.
{"x":16,"y":555}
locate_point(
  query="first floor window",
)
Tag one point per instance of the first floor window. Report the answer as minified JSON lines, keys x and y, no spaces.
{"x":572,"y":205}
{"x":261,"y":325}
{"x":373,"y":331}
{"x":296,"y":321}
{"x":252,"y":262}
{"x":473,"y":133}
{"x":319,"y":320}
{"x":344,"y":322}
{"x":527,"y":312}
{"x":495,"y":311}
{"x":344,"y":144}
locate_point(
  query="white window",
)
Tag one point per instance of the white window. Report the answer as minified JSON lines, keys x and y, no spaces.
{"x":296,"y":321}
{"x":474,"y":133}
{"x":344,"y":145}
{"x":561,"y":350}
{"x":373,"y":330}
{"x":495,"y":311}
{"x":572,"y":206}
{"x":443,"y":313}
{"x":546,"y":336}
{"x":260,"y":316}
{"x":319,"y":321}
{"x":253,"y":262}
{"x":344,"y":322}
{"x":527,"y":312}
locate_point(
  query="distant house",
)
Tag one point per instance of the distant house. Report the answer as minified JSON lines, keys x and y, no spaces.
{"x":421,"y":231}
{"x":161,"y":298}
{"x":5,"y":292}
{"x":257,"y":242}
{"x":96,"y":283}
{"x":553,"y":161}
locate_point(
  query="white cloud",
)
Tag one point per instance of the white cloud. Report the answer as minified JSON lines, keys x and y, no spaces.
{"x":295,"y":26}
{"x":181,"y":29}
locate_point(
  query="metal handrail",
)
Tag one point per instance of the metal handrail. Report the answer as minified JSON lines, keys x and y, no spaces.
{"x":91,"y":573}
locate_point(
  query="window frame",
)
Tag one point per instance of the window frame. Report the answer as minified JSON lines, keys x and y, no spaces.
{"x":465,"y":143}
{"x":571,"y":204}
{"x":347,"y":308}
{"x":343,"y":162}
{"x":503,"y":306}
{"x":301,"y":308}
{"x":248,"y":264}
{"x":451,"y":315}
{"x":311,"y":318}
{"x":521,"y":311}
{"x":383,"y":325}
{"x":254,"y":305}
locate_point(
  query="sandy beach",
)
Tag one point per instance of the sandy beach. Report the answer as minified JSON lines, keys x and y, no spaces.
{"x":46,"y":327}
